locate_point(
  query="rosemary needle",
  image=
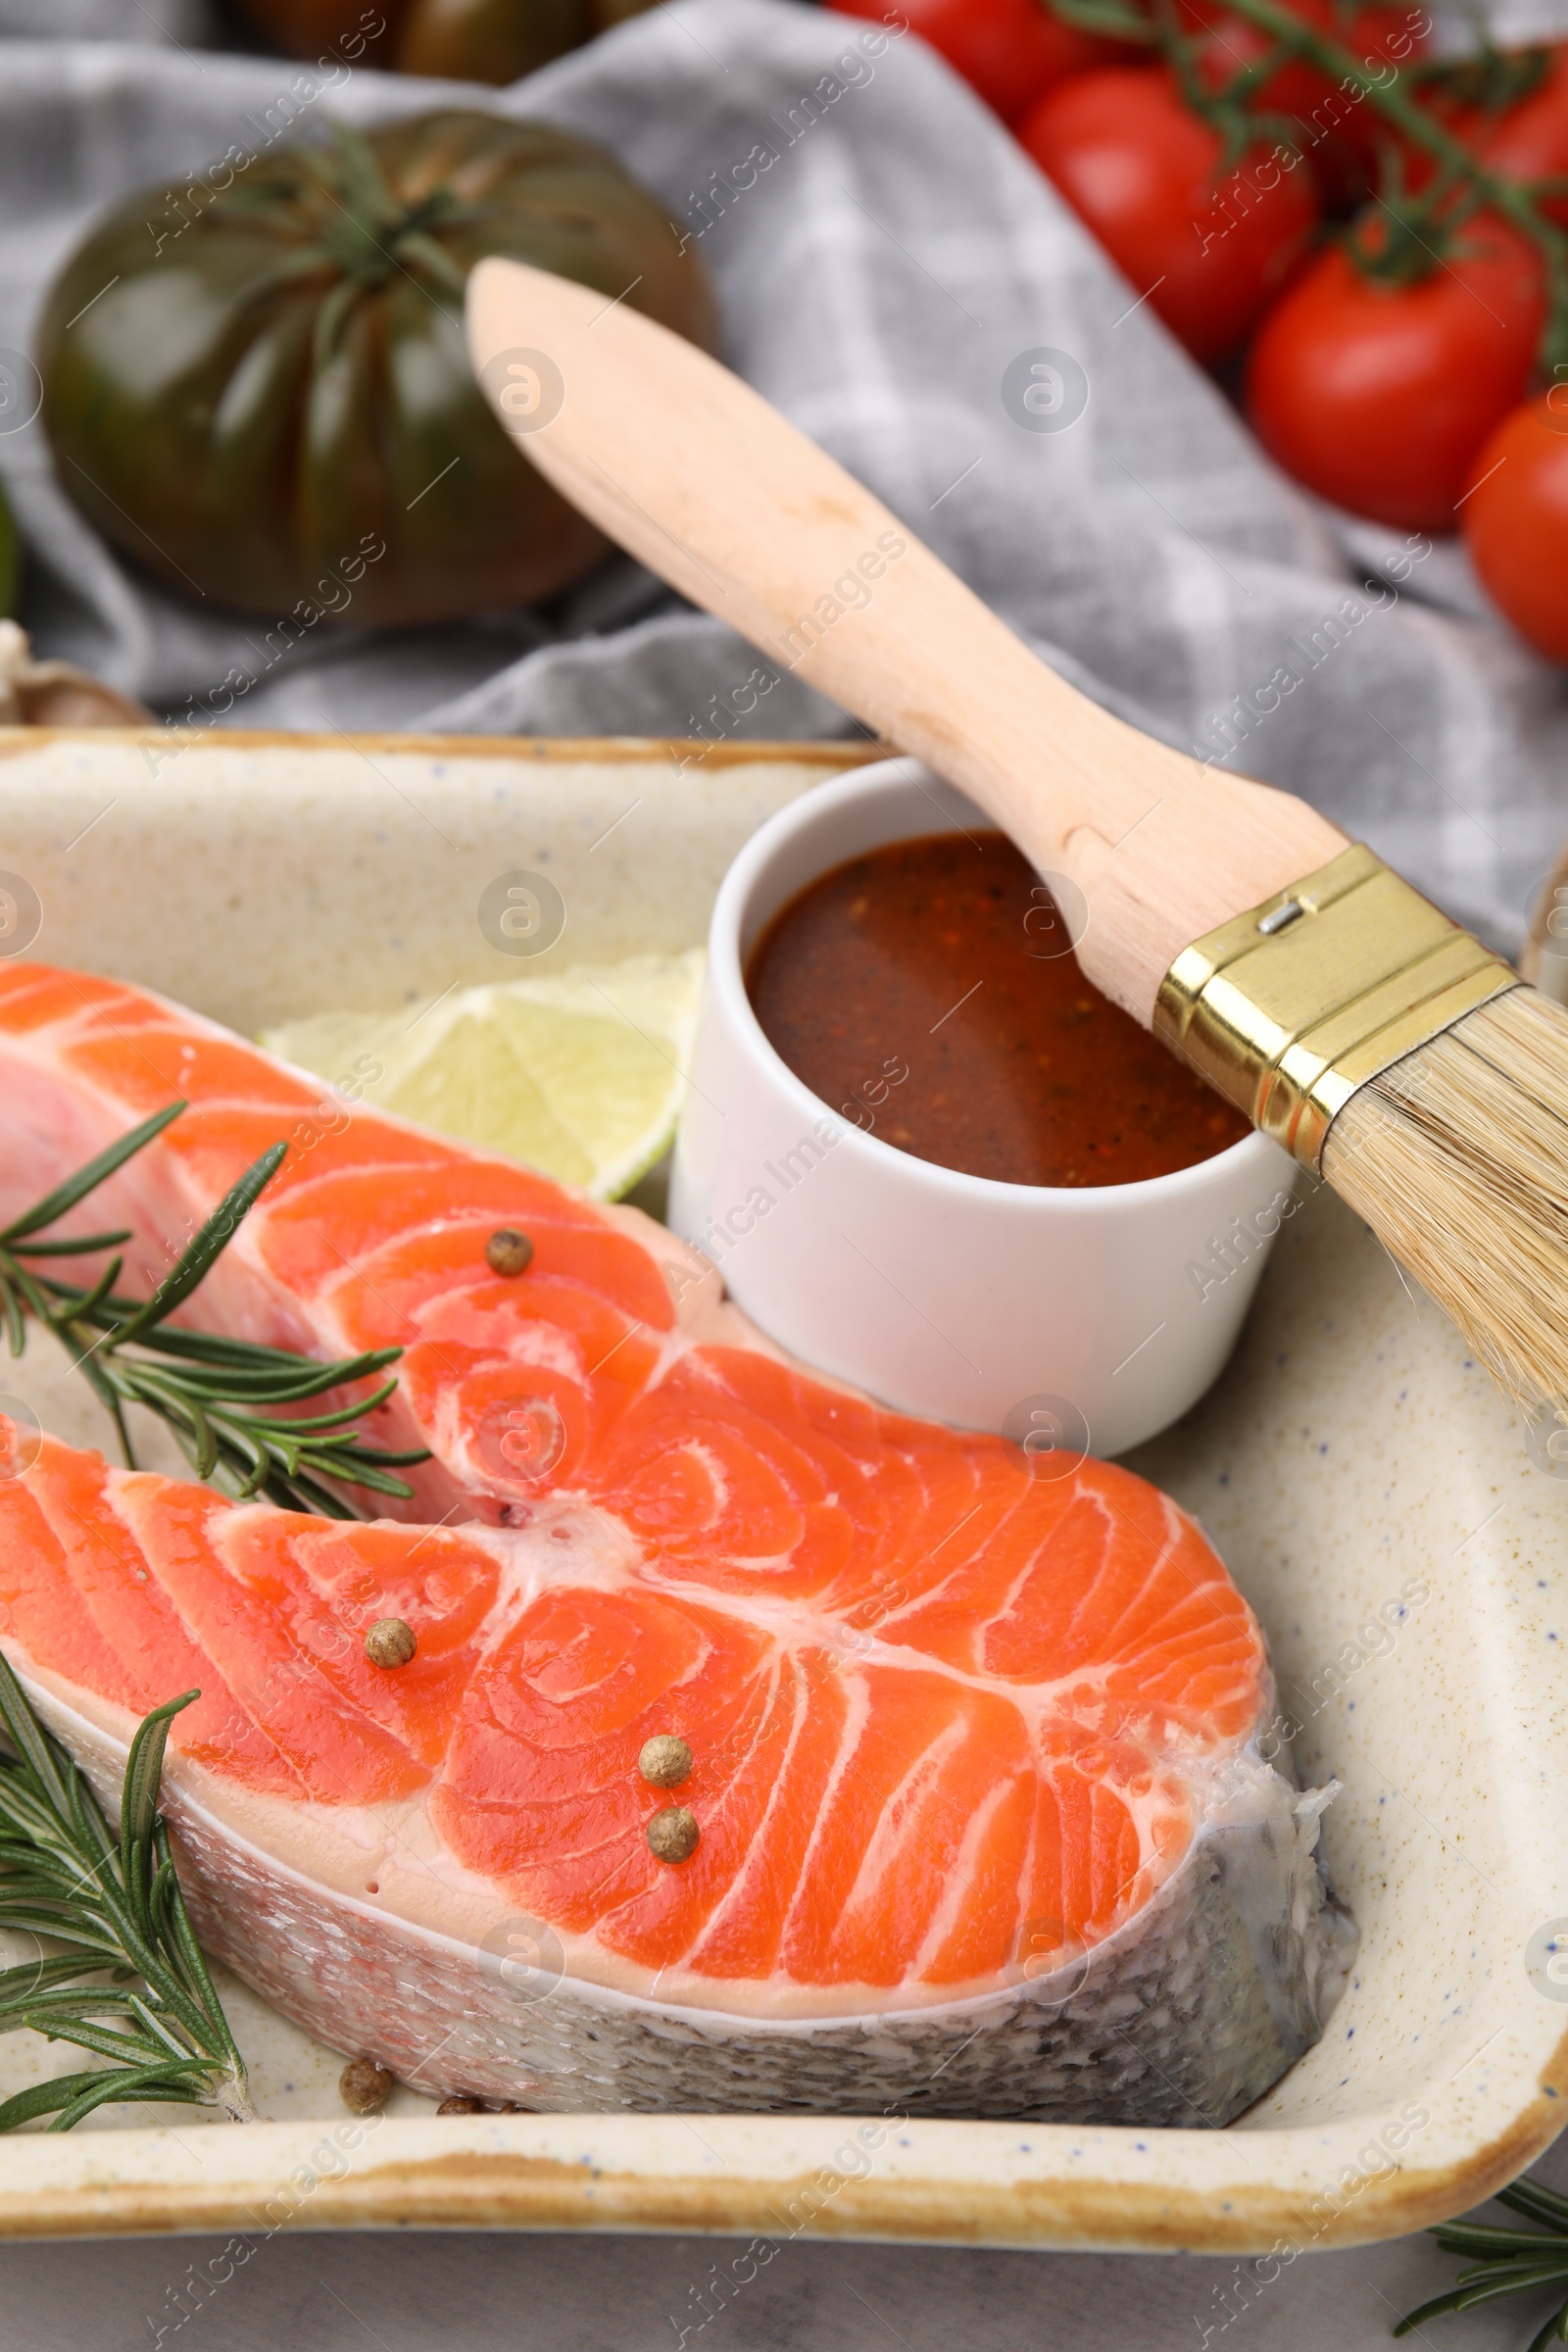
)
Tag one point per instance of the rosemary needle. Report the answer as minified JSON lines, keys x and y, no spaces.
{"x":1507,"y":2262}
{"x":221,"y":1397}
{"x":131,"y":1983}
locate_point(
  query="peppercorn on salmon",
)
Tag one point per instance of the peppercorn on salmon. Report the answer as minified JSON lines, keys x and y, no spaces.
{"x":976,"y":1821}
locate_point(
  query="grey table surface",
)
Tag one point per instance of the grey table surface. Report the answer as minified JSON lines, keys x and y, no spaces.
{"x":318,"y":2292}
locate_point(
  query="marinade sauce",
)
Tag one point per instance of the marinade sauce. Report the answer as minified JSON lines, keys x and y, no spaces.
{"x":922,"y":992}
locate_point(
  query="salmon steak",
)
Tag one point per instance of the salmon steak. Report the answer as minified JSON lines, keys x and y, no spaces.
{"x":979,"y":1817}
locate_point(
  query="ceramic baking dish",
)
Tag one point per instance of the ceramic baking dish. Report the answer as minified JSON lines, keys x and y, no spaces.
{"x":1356,"y":1469}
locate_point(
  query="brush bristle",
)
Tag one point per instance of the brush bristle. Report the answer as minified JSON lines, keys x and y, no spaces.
{"x":1457,"y":1159}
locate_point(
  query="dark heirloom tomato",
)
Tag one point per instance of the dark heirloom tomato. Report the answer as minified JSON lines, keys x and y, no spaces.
{"x":357,"y":31}
{"x":241,"y":404}
{"x":456,"y":41}
{"x":1377,"y":395}
{"x":499,"y":40}
{"x":1516,"y":520}
{"x":1139,"y":167}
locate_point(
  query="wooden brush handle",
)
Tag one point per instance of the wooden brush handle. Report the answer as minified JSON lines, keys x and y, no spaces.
{"x":693,"y":472}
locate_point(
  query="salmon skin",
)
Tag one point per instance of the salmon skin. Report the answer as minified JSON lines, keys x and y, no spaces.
{"x":984,"y":1825}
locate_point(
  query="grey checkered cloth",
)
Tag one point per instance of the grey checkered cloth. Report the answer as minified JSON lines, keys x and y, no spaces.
{"x":877,"y":282}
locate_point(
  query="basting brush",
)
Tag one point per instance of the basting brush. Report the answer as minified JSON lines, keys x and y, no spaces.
{"x":1340,"y":1010}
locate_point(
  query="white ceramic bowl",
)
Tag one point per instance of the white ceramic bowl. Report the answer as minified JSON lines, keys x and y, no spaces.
{"x":1074,"y":1320}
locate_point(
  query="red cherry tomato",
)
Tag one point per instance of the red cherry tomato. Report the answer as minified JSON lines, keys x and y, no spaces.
{"x":1343,"y":130}
{"x":1232,"y":42}
{"x":1139,"y":167}
{"x":1378,"y":396}
{"x":1008,"y":51}
{"x":1526,"y":141}
{"x":1516,"y":520}
{"x":1531,"y":140}
{"x":1372,"y":33}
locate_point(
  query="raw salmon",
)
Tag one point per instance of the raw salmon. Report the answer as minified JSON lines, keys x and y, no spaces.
{"x":983,"y":1822}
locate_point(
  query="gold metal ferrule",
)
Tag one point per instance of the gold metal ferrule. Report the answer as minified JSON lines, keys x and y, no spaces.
{"x":1289,"y":1009}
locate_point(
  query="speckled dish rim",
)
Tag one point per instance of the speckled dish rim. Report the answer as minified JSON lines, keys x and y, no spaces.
{"x":774,"y":2177}
{"x":1236,"y":2191}
{"x":563,"y":751}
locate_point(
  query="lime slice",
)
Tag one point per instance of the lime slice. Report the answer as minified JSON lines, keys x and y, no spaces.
{"x":581,"y":1075}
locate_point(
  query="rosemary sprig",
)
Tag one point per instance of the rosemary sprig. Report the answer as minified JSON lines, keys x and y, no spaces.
{"x":131,"y":1983}
{"x":1508,"y":2262}
{"x":221,"y":1397}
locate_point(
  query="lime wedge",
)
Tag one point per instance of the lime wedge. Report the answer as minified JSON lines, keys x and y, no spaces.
{"x":581,"y":1075}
